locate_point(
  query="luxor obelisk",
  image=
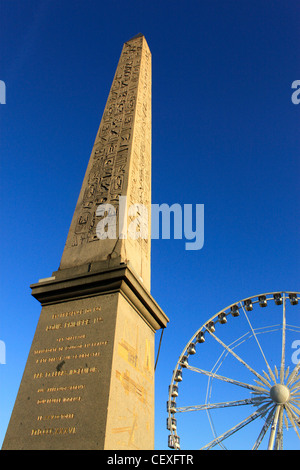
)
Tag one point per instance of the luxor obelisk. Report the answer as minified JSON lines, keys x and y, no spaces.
{"x":89,"y":378}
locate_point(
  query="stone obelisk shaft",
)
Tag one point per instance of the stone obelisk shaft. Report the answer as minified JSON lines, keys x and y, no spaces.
{"x":120,"y":165}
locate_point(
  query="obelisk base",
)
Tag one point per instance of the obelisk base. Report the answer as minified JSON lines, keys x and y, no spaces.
{"x":89,"y":377}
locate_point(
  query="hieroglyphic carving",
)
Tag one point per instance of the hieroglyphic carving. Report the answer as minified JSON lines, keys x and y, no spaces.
{"x":140,"y":191}
{"x":108,"y":174}
{"x":121,"y":153}
{"x":119,"y":165}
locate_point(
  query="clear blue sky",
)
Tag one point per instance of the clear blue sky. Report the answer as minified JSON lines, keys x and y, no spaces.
{"x":225,"y":134}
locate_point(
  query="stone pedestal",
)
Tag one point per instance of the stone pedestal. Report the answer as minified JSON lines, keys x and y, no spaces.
{"x":89,"y":378}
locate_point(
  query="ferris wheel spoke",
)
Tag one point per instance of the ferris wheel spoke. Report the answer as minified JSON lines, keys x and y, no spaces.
{"x":296,"y":387}
{"x":264,"y":429}
{"x":282,"y":364}
{"x":228,"y":349}
{"x":294,"y":375}
{"x":279,"y":436}
{"x":228,"y":380}
{"x":225,"y":404}
{"x":291,"y":416}
{"x":260,"y":412}
{"x":274,"y":426}
{"x":259,"y":345}
{"x":295,"y":411}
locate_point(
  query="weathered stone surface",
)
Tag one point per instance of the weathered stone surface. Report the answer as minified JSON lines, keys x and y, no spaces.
{"x":89,"y":377}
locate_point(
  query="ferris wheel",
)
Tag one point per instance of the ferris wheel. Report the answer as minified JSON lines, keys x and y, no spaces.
{"x":245,"y":357}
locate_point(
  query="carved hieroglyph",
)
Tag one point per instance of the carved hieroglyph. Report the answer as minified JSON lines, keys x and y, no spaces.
{"x":120,"y":165}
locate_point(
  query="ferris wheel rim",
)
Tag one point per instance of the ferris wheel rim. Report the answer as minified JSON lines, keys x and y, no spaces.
{"x":224,"y":310}
{"x":277,"y":408}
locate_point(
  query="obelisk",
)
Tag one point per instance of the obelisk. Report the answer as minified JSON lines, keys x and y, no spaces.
{"x":89,"y":378}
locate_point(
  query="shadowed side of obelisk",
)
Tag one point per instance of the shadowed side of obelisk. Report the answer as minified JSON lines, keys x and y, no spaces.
{"x":89,"y":378}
